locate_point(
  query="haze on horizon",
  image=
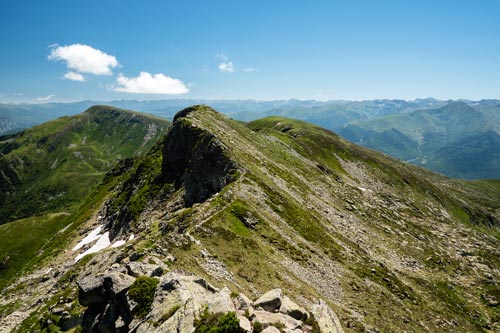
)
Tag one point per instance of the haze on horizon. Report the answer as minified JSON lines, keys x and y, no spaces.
{"x":322,"y":50}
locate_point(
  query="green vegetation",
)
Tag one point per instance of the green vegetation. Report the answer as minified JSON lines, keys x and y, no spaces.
{"x":143,"y":291}
{"x":53,"y":166}
{"x":403,"y":246}
{"x":217,"y":323}
{"x":257,"y":327}
{"x":20,"y":242}
{"x":46,"y":173}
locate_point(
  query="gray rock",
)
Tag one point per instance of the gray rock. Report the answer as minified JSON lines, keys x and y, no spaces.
{"x":269,"y":318}
{"x":221,"y":302}
{"x":105,"y":297}
{"x":118,"y":282}
{"x":270,"y":301}
{"x":186,"y":291}
{"x":136,"y":269}
{"x":91,"y":290}
{"x":271,"y":329}
{"x":293,"y":310}
{"x":196,"y":160}
{"x":245,"y":323}
{"x":326,"y":318}
{"x":242,"y":302}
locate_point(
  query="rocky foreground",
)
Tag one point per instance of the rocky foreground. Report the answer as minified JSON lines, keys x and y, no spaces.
{"x":178,"y":300}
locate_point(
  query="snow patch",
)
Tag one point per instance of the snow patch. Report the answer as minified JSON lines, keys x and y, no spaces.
{"x":364,"y":189}
{"x":94,"y":234}
{"x":102,"y":243}
{"x":118,"y":243}
{"x":131,"y":237}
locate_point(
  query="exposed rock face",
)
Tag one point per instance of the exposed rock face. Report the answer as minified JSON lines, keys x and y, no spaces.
{"x":242,"y":302}
{"x":179,"y":299}
{"x":270,"y":318}
{"x":195,"y":159}
{"x":136,"y":269}
{"x":293,"y":310}
{"x":186,"y":292}
{"x":270,"y":301}
{"x":326,"y":318}
{"x":105,"y":297}
{"x":221,"y":302}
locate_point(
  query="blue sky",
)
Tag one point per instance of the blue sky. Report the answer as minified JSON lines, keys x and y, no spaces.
{"x":248,"y":49}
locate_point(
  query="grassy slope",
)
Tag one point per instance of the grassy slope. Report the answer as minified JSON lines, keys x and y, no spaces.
{"x":54,"y":165}
{"x":300,"y":182}
{"x":102,"y":136}
{"x":21,"y":240}
{"x":389,"y":258}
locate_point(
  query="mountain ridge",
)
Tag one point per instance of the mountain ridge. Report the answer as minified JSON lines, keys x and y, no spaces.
{"x":333,"y":221}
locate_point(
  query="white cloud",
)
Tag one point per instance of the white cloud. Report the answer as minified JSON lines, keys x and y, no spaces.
{"x":73,"y":76}
{"x":226,"y":67}
{"x":249,"y":70}
{"x":44,"y":98}
{"x":146,"y":83}
{"x":84,"y":59}
{"x":221,"y":56}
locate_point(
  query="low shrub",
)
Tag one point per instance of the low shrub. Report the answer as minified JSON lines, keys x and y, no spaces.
{"x":142,"y":291}
{"x":217,"y":323}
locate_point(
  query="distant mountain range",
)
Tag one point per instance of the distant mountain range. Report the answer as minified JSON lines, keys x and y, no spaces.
{"x":456,"y":138}
{"x":461,"y":140}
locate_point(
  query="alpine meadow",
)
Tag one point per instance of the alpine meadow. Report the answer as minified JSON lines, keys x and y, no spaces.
{"x":249,"y":167}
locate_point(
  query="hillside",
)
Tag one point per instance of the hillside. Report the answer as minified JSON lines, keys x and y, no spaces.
{"x":51,"y":166}
{"x":279,"y":203}
{"x":458,"y":140}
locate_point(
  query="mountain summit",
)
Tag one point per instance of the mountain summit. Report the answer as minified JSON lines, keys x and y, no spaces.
{"x":322,"y":235}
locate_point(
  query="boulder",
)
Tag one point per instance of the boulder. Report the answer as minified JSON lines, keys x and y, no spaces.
{"x":221,"y":302}
{"x":191,"y":294}
{"x":242,"y":302}
{"x":326,"y":318}
{"x":105,"y":297}
{"x":271,"y":329}
{"x":293,"y":310}
{"x":270,"y":301}
{"x":136,"y":268}
{"x":91,"y":290}
{"x":118,"y":283}
{"x":269,"y":318}
{"x":245,"y":323}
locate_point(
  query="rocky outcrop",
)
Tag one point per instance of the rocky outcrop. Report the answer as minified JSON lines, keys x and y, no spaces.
{"x":326,"y":318}
{"x":136,"y":269}
{"x":270,"y":318}
{"x":293,"y":310}
{"x":195,"y":159}
{"x":270,"y":301}
{"x":105,"y":298}
{"x":179,"y":299}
